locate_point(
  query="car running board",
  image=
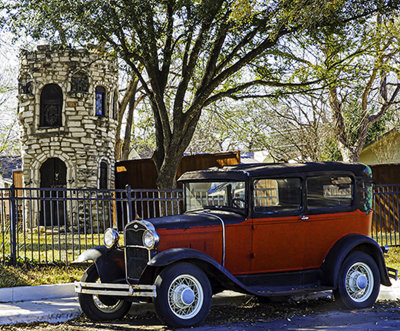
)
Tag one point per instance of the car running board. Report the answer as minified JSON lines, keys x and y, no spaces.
{"x":283,"y":290}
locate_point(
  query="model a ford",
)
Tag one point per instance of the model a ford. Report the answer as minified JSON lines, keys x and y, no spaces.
{"x":261,"y":229}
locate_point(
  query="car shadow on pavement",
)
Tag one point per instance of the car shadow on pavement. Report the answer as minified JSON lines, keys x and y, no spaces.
{"x":253,"y":310}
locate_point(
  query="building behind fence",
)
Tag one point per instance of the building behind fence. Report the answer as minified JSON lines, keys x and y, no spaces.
{"x":56,"y":225}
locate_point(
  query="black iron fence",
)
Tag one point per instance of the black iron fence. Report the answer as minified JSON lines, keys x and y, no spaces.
{"x":385,"y":223}
{"x":56,"y":225}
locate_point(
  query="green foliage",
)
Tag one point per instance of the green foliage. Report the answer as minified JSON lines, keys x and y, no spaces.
{"x":195,"y":53}
{"x":330,"y":150}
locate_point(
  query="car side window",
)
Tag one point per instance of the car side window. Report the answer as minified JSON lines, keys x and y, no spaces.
{"x":329,"y":191}
{"x":273,"y":195}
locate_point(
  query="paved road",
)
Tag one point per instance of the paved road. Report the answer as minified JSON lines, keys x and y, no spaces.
{"x":315,"y":314}
{"x":230,"y":310}
{"x":331,"y":320}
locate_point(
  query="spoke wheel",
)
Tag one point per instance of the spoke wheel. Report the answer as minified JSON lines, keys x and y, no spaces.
{"x":183,"y":295}
{"x":101,"y":307}
{"x":358,"y":282}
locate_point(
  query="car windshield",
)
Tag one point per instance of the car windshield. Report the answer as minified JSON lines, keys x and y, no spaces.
{"x":216,"y":195}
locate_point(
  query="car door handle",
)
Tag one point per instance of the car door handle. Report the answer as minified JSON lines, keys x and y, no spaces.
{"x":304,"y":218}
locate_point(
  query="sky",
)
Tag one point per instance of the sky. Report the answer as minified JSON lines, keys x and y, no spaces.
{"x":8,"y":78}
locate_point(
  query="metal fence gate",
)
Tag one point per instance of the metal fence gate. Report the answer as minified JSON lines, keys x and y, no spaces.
{"x":56,"y":225}
{"x":385,"y":221}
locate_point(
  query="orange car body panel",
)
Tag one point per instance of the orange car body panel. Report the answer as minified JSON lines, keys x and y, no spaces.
{"x":274,"y":244}
{"x":323,"y":230}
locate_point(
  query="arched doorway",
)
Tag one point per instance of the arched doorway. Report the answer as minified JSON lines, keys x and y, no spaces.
{"x":53,"y":174}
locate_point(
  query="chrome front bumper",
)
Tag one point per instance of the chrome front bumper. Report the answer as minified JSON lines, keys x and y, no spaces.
{"x":120,"y":290}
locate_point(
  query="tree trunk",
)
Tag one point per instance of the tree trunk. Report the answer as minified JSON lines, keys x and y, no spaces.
{"x":168,"y":157}
{"x":131,"y":90}
{"x":166,"y":178}
{"x":347,"y":154}
{"x":126,"y":144}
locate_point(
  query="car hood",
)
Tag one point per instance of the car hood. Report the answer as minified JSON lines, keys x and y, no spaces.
{"x":197,"y":218}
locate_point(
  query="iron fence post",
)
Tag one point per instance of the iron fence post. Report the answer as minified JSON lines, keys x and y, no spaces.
{"x":129,"y":197}
{"x":13,"y":226}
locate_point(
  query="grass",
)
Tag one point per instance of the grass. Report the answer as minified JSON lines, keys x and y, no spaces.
{"x":29,"y":274}
{"x":392,"y":258}
{"x":50,"y":247}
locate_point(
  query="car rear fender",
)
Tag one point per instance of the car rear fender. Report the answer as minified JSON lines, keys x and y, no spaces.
{"x":343,"y":247}
{"x":218,"y":275}
{"x":110,"y":263}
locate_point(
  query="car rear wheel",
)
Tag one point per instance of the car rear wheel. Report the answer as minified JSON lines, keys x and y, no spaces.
{"x":359,"y":281}
{"x":183,"y":295}
{"x":101,"y":307}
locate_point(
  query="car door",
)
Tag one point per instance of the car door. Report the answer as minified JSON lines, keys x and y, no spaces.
{"x":330,"y":215}
{"x":278,"y":228}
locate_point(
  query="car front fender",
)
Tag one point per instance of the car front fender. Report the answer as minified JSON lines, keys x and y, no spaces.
{"x":110,"y":263}
{"x":343,"y":247}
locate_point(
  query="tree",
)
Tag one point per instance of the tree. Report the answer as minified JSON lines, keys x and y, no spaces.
{"x":227,"y":126}
{"x":294,"y":127}
{"x":127,"y":106}
{"x":9,"y":140}
{"x":193,"y":53}
{"x":300,"y":128}
{"x":357,"y":69}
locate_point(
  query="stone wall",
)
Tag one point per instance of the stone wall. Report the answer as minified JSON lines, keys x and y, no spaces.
{"x":84,"y":139}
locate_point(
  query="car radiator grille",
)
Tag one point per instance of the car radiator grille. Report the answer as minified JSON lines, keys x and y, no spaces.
{"x":136,"y":261}
{"x":136,"y":256}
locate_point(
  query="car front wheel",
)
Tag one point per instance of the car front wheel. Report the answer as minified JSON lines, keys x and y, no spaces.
{"x":358,"y":282}
{"x":183,"y":295}
{"x":101,"y":307}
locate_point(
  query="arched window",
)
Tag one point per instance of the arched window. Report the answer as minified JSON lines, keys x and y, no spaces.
{"x":100,"y":101}
{"x":103,"y":176}
{"x":51,"y":100}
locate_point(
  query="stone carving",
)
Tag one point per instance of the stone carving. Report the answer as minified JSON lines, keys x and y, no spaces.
{"x":26,"y":88}
{"x":80,"y":84}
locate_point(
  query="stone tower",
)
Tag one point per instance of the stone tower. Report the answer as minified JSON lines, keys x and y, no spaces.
{"x":67,"y":111}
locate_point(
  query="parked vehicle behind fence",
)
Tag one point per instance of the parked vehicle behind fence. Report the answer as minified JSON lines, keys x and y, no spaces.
{"x":261,"y":229}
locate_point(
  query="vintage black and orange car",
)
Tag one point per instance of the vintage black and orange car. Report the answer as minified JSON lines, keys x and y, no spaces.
{"x":262,"y":229}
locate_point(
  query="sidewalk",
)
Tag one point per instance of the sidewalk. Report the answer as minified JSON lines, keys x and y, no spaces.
{"x":59,"y":303}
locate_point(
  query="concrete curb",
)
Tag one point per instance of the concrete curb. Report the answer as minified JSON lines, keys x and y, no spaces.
{"x":52,"y":311}
{"x":30,"y":293}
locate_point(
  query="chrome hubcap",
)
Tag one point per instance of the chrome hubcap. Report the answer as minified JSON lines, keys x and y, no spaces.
{"x":359,"y":282}
{"x":187,"y":296}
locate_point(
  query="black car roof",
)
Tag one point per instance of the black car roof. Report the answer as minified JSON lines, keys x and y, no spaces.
{"x":243,"y":171}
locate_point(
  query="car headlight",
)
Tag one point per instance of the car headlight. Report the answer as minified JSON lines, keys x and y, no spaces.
{"x":150,"y":239}
{"x":111,"y":237}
